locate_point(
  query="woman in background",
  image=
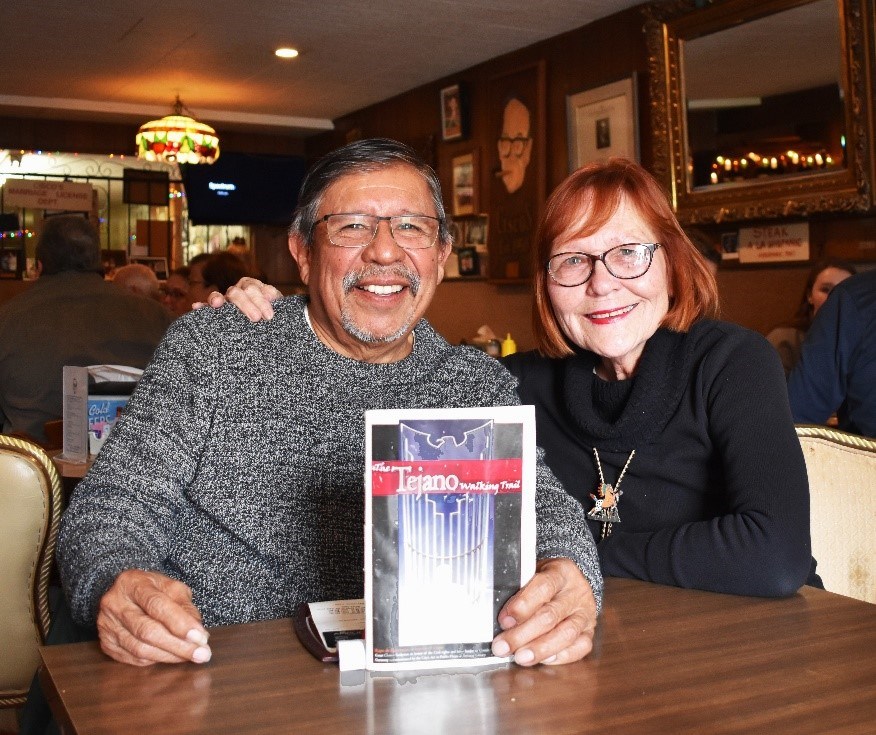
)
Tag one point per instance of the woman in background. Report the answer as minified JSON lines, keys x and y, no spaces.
{"x":788,"y":338}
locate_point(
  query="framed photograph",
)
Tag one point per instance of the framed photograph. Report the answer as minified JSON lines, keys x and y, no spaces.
{"x":159,"y":265}
{"x":11,"y":263}
{"x":603,"y":123}
{"x":517,"y":104}
{"x":476,"y":231}
{"x":469,"y":262}
{"x":452,"y":113}
{"x":465,"y":184}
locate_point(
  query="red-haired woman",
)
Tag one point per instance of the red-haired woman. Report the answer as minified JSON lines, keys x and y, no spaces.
{"x":672,"y":428}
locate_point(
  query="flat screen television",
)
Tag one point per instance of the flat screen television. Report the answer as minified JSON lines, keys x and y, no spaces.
{"x":243,"y":189}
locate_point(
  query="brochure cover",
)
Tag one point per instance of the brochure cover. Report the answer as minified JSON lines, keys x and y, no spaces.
{"x":449,"y":531}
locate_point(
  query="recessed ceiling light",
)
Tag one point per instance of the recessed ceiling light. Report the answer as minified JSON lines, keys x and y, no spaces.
{"x":286,"y":53}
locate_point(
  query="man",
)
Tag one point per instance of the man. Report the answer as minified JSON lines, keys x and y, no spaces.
{"x":515,"y":144}
{"x":70,"y":316}
{"x":232,"y":488}
{"x":139,"y":279}
{"x":837,"y":367}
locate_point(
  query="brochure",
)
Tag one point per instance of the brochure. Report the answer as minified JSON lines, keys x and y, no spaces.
{"x":449,"y":531}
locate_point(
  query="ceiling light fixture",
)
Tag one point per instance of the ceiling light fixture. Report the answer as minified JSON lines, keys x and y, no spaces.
{"x":285,"y":52}
{"x":177,"y":138}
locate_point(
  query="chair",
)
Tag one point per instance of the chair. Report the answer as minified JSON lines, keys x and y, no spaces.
{"x":30,"y":508}
{"x":842,"y":489}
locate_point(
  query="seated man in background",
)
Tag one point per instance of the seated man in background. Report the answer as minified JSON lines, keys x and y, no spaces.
{"x":231,"y":489}
{"x":837,"y":367}
{"x":70,"y":316}
{"x":138,"y":279}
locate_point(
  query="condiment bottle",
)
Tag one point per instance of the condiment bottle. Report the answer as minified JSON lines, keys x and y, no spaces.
{"x":509,"y":346}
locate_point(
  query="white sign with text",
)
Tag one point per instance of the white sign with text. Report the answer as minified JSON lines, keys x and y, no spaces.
{"x":774,"y":243}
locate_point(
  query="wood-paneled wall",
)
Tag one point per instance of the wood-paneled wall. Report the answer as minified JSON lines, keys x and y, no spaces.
{"x":610,"y":49}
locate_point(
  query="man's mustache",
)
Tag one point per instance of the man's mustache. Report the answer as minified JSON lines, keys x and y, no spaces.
{"x":352,"y":279}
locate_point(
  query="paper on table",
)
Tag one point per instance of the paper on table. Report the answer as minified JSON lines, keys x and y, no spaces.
{"x":119,"y":373}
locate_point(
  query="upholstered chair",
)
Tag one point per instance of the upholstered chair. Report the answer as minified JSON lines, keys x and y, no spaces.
{"x":842,"y":489}
{"x":30,"y":508}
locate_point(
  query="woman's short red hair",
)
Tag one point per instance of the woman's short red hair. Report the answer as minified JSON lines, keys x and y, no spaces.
{"x":599,"y":189}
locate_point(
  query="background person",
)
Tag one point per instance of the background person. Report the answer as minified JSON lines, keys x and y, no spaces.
{"x":139,"y":279}
{"x":231,"y":489}
{"x":215,"y":272}
{"x":823,"y":277}
{"x":70,"y":316}
{"x":175,"y":292}
{"x":837,"y":367}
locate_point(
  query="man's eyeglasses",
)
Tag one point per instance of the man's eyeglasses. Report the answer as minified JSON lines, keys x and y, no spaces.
{"x":628,"y":261}
{"x":512,"y":146}
{"x":410,"y":231}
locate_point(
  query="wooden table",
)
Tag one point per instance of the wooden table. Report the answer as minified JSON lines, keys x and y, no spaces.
{"x":666,"y":660}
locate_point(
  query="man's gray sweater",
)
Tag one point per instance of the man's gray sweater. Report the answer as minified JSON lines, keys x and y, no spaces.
{"x":238,"y":466}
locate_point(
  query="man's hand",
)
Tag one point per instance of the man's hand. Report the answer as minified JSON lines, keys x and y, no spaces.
{"x":146,"y":618}
{"x":249,"y":295}
{"x":551,"y":620}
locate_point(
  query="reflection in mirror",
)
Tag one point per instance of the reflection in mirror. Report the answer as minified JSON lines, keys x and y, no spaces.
{"x":762,"y":109}
{"x":765,"y":98}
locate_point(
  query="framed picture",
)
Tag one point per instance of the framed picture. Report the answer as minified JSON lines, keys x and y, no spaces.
{"x":452,"y":113}
{"x":11,"y":263}
{"x":465,"y":184}
{"x":476,"y":231}
{"x":159,"y":265}
{"x":469,"y":262}
{"x":517,"y":103}
{"x":603,"y":123}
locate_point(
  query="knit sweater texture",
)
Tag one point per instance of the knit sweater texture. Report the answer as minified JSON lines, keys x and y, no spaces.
{"x":238,"y":466}
{"x":716,"y":496}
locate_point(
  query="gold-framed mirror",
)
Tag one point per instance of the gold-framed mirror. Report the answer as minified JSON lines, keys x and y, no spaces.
{"x":762,"y":108}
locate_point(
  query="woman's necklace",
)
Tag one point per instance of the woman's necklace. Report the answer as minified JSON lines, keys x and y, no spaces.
{"x":606,"y":499}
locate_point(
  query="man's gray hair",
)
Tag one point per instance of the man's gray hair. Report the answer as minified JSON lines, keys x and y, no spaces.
{"x":361,"y":156}
{"x":68,"y":243}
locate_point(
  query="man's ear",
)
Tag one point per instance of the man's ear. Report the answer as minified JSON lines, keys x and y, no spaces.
{"x":301,"y":254}
{"x":443,"y":255}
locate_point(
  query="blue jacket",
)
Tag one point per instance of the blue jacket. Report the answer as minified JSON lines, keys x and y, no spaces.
{"x":837,"y":367}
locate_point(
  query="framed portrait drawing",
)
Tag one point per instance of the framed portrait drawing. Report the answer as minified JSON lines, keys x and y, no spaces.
{"x":517,"y":169}
{"x":452,"y":113}
{"x":603,"y":123}
{"x":465,"y":184}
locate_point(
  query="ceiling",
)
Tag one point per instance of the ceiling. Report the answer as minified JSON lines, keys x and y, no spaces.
{"x":123,"y":61}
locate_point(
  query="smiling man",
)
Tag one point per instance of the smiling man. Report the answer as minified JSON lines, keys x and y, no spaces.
{"x":231,"y":489}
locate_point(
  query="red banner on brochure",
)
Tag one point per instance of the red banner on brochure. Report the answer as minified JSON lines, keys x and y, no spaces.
{"x":395,"y":477}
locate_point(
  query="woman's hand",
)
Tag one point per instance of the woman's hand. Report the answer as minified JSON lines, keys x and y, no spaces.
{"x":249,"y":295}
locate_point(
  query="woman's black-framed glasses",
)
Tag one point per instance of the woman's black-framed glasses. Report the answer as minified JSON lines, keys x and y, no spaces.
{"x":631,"y":260}
{"x":410,"y":231}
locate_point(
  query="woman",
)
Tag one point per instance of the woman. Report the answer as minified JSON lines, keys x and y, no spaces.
{"x":175,"y":292}
{"x":671,"y":428}
{"x":788,"y":338}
